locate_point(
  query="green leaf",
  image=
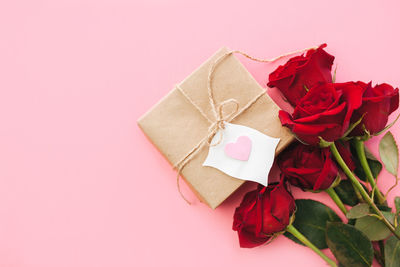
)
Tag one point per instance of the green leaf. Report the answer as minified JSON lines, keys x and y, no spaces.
{"x":373,"y":228}
{"x":346,"y":193}
{"x":392,"y":251}
{"x":349,"y":245}
{"x":397,"y":204}
{"x":368,"y":153}
{"x":374,"y":164}
{"x":358,"y":211}
{"x":384,"y":208}
{"x":375,"y":167}
{"x":389,"y":216}
{"x":310,"y":220}
{"x":389,"y":153}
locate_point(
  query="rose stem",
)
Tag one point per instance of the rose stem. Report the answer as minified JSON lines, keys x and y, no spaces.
{"x":358,"y":195}
{"x":291,"y":229}
{"x":359,"y":187}
{"x":331,"y":192}
{"x":364,"y":163}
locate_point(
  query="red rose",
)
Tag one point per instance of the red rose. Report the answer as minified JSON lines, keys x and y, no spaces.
{"x":263,"y":213}
{"x":324,"y":112}
{"x":377,"y":104}
{"x":308,"y":167}
{"x":300,"y":72}
{"x":312,"y":167}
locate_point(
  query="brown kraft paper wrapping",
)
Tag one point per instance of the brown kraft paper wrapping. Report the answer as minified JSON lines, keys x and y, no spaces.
{"x":175,"y":126}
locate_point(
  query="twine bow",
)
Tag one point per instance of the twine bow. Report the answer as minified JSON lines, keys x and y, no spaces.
{"x":218,"y":125}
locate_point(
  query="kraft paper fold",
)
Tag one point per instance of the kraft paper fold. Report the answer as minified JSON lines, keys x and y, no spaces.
{"x":175,"y":126}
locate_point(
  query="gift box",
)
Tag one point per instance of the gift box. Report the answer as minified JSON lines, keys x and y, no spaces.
{"x":181,"y":120}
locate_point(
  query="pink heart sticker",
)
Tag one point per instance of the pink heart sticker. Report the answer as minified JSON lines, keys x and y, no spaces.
{"x":239,"y":150}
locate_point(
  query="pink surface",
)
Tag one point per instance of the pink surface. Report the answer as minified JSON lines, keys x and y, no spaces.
{"x":80,"y":185}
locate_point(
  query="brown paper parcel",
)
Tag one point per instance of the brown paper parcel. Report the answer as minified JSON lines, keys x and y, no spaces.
{"x":175,"y":125}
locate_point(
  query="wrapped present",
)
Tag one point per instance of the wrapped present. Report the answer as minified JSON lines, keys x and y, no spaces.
{"x":180,"y":122}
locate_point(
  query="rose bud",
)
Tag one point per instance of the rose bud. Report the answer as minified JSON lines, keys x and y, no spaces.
{"x":324,"y":112}
{"x":302,"y":72}
{"x":311,"y":167}
{"x":263,"y":213}
{"x":377,"y":104}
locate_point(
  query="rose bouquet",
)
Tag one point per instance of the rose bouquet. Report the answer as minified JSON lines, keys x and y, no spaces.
{"x":331,"y":122}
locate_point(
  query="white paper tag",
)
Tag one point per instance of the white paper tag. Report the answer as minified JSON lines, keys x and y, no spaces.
{"x":243,"y":153}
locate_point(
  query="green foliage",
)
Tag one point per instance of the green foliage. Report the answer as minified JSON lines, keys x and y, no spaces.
{"x":397,"y":204}
{"x":346,"y":193}
{"x":389,"y":153}
{"x":310,"y":219}
{"x":368,"y":223}
{"x":373,"y":228}
{"x":358,"y":211}
{"x":349,"y":245}
{"x":392,"y":251}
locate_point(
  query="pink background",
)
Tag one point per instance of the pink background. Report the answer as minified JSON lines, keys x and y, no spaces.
{"x":80,"y":185}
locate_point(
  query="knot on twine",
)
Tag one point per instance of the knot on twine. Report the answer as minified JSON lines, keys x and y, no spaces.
{"x":214,"y":128}
{"x":219,"y":124}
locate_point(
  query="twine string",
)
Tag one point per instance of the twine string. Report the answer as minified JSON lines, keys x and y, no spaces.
{"x":220,"y":118}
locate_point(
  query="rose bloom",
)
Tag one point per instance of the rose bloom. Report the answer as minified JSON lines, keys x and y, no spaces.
{"x":263,"y":212}
{"x":308,"y":167}
{"x":302,"y":71}
{"x":311,"y":167}
{"x":324,"y":112}
{"x":377,"y":104}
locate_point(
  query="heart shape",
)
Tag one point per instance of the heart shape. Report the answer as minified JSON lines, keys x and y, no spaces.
{"x":239,"y":150}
